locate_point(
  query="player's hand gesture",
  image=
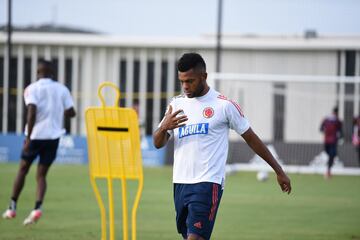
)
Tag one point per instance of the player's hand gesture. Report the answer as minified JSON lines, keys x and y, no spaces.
{"x":284,"y":182}
{"x":172,"y":121}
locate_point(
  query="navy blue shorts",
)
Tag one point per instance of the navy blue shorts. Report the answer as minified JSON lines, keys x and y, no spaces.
{"x":196,"y":206}
{"x":46,"y":149}
{"x":331,"y":149}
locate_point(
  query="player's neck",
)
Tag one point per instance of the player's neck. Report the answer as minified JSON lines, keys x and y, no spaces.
{"x":204,"y":91}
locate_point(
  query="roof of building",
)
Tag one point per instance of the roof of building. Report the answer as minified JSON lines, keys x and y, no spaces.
{"x":246,"y":42}
{"x":48,"y":28}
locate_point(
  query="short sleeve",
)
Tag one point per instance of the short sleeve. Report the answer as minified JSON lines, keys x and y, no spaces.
{"x":67,"y":100}
{"x":236,"y":118}
{"x":30,"y":95}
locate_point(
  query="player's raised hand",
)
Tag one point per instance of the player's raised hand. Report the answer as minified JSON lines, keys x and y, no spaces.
{"x":172,"y":120}
{"x":284,"y":182}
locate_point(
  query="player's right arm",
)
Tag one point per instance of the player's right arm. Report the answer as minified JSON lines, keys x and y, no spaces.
{"x":31,"y":100}
{"x":30,"y":121}
{"x":170,"y":122}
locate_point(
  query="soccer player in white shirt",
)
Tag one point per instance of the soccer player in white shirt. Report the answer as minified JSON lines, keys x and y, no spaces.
{"x":199,"y":121}
{"x":48,"y":102}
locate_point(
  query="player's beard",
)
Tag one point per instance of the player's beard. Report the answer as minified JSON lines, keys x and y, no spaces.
{"x":200,"y":90}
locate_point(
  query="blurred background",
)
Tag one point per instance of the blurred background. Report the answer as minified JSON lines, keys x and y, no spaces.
{"x":287,"y":63}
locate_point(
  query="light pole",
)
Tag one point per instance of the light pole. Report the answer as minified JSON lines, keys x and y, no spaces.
{"x":9,"y":43}
{"x":218,"y":37}
{"x":7,"y":71}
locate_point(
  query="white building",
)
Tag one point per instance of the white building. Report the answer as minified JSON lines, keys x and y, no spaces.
{"x":145,"y":71}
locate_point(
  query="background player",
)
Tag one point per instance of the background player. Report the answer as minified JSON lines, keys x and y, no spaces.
{"x":47,"y":103}
{"x":356,"y":135}
{"x":331,"y":126}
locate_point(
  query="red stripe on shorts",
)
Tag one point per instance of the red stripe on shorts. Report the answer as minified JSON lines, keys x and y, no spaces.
{"x":214,"y":202}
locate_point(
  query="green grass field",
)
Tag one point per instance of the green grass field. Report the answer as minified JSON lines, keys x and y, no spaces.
{"x":316,"y":210}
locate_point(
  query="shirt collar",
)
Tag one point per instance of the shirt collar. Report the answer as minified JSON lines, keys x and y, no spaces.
{"x":45,"y":80}
{"x":203,"y":96}
{"x":206,"y":94}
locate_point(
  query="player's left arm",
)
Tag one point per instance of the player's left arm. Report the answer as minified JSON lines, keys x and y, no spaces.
{"x":68,"y":103}
{"x":260,"y":149}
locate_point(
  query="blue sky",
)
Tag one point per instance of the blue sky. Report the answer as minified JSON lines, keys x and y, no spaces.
{"x":191,"y":17}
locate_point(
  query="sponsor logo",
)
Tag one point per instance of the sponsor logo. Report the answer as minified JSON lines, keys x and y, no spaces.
{"x":193,"y":129}
{"x":198,"y":225}
{"x":208,"y":112}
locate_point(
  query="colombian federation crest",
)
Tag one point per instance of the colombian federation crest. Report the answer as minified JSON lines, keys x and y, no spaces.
{"x":208,"y":112}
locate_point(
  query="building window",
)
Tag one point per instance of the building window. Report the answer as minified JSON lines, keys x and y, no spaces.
{"x":122,"y":82}
{"x":279,"y":112}
{"x":349,"y":91}
{"x":2,"y":90}
{"x":177,"y":82}
{"x":163,"y":105}
{"x":149,"y":100}
{"x":27,"y":82}
{"x":68,"y":84}
{"x":12,"y":93}
{"x":136,"y":80}
{"x":55,"y":63}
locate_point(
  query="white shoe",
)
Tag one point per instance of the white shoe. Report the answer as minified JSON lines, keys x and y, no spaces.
{"x":9,"y":214}
{"x":33,"y":217}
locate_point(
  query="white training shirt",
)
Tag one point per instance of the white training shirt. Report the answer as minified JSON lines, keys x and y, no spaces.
{"x":51,"y":99}
{"x":201,"y":147}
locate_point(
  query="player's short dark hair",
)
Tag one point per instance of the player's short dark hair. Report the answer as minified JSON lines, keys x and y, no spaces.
{"x":191,"y":61}
{"x":46,"y":63}
{"x":48,"y":69}
{"x":336,"y":109}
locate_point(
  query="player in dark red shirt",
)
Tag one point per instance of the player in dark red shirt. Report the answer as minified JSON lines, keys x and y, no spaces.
{"x":331,"y":126}
{"x":356,"y":135}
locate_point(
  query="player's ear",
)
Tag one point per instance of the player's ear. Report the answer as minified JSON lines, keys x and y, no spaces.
{"x":204,"y":75}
